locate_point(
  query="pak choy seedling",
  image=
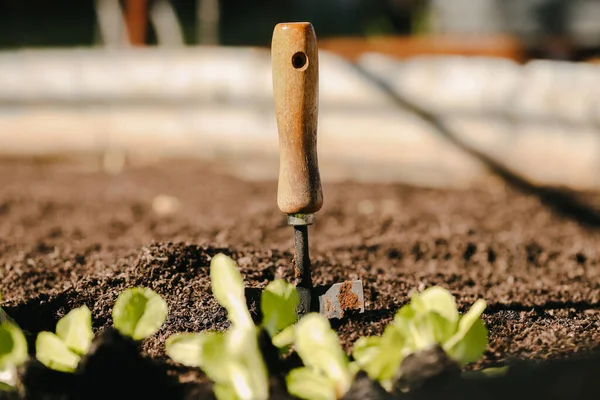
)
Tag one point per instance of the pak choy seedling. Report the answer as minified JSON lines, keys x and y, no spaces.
{"x":138,"y":313}
{"x":13,"y":353}
{"x":431,"y":318}
{"x":233,"y":359}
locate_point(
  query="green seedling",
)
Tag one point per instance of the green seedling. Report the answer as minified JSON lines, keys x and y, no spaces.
{"x":431,"y":318}
{"x":232,"y":359}
{"x":62,"y":350}
{"x":13,"y":353}
{"x":3,"y":315}
{"x":139,"y":313}
{"x":327,"y":373}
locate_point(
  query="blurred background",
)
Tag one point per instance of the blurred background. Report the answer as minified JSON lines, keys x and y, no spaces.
{"x":557,"y":29}
{"x":424,"y":91}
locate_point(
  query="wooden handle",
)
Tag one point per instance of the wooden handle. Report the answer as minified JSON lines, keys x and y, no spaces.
{"x":295,"y":61}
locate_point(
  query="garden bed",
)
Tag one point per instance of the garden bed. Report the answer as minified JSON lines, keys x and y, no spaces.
{"x":73,"y":235}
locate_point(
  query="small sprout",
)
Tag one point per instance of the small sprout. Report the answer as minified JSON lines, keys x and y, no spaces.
{"x":307,"y":383}
{"x":205,"y":350}
{"x":13,"y":352}
{"x":430,"y":319}
{"x":470,"y":340}
{"x":380,"y":356}
{"x":54,"y":353}
{"x":3,"y":315}
{"x":63,"y":350}
{"x":278,"y":304}
{"x":284,"y":339}
{"x":188,"y":348}
{"x":228,"y":289}
{"x":75,"y":330}
{"x":231,"y":359}
{"x":326,"y":364}
{"x":139,"y":312}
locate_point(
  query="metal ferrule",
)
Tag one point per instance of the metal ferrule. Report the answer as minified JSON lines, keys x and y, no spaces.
{"x":301,"y":219}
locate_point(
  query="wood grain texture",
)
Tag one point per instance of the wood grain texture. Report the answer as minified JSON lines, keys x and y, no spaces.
{"x":294,"y":57}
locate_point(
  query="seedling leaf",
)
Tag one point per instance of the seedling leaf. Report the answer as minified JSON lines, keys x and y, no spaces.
{"x":306,"y":383}
{"x":228,"y":289}
{"x":224,"y":392}
{"x":470,"y":340}
{"x":247,"y":370}
{"x":278,"y":303}
{"x":232,"y":360}
{"x":285,"y":338}
{"x":365,"y":349}
{"x":13,"y":345}
{"x":186,"y":348}
{"x":319,"y":348}
{"x":472,"y":345}
{"x":13,"y":352}
{"x":436,"y":299}
{"x":205,"y":350}
{"x":380,"y":357}
{"x":54,"y":353}
{"x":139,"y":312}
{"x":75,"y":330}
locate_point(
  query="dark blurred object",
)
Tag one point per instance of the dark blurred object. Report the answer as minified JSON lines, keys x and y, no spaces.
{"x":554,"y":17}
{"x":515,"y":29}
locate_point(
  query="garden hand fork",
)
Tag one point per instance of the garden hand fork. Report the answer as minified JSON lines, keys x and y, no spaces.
{"x":294,"y":57}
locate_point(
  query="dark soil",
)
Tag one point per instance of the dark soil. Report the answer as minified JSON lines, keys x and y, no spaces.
{"x":71,"y":235}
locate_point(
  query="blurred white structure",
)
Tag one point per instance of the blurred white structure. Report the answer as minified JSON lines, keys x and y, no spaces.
{"x":541,"y":119}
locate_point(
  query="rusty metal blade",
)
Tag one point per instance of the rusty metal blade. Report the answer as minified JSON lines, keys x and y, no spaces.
{"x":342,"y":297}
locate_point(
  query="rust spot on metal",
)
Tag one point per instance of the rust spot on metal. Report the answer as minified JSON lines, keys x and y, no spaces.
{"x":347,"y":298}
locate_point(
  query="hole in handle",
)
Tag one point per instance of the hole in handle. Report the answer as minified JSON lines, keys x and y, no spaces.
{"x":300,"y":61}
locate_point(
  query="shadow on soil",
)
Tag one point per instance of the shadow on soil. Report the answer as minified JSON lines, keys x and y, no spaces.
{"x":562,"y":201}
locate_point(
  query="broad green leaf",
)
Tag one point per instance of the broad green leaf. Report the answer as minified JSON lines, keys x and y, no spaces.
{"x":13,"y":345}
{"x":285,"y":338}
{"x":472,"y":346}
{"x":470,"y":330}
{"x":365,"y":349}
{"x":228,"y":289}
{"x":306,"y":383}
{"x":215,"y":358}
{"x":139,"y":312}
{"x":278,"y":303}
{"x":382,"y":366}
{"x":54,"y":353}
{"x":186,"y":348}
{"x":427,"y":329}
{"x":75,"y":330}
{"x":436,"y":299}
{"x":247,"y":370}
{"x":8,"y":380}
{"x":224,"y":392}
{"x":402,"y":320}
{"x":206,"y":350}
{"x":318,"y":346}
